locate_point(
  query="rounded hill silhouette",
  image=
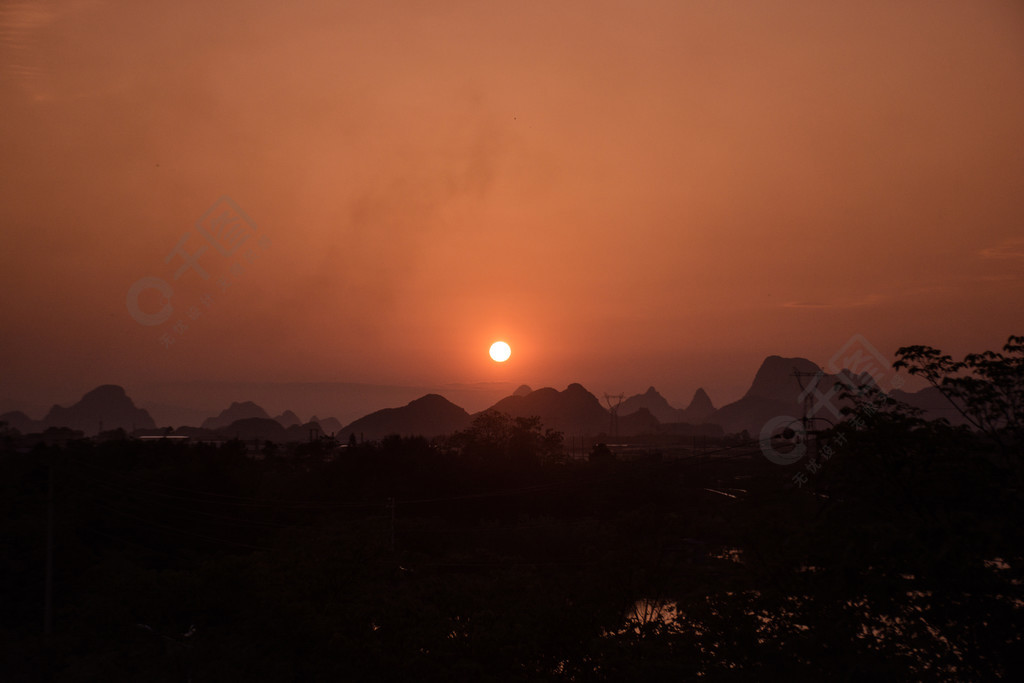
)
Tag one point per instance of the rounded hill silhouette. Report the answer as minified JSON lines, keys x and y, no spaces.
{"x":104,"y":408}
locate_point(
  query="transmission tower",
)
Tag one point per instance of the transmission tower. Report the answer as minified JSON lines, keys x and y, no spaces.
{"x":809,"y":394}
{"x":613,"y":412}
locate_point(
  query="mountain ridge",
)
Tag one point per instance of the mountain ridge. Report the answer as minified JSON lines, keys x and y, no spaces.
{"x":430,"y":415}
{"x":104,"y":408}
{"x":774,"y":391}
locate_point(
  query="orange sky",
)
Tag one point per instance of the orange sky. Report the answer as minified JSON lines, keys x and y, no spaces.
{"x":628,"y":193}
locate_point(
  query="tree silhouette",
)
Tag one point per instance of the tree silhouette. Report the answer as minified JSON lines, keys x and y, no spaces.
{"x":500,"y":437}
{"x":986,"y":388}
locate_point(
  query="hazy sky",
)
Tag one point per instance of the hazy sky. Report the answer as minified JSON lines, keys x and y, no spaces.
{"x":629,"y":193}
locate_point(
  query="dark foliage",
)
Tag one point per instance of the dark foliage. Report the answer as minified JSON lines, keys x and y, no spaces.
{"x":490,"y":557}
{"x":987,"y":388}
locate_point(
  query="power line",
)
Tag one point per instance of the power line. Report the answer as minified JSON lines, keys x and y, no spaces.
{"x":613,"y":413}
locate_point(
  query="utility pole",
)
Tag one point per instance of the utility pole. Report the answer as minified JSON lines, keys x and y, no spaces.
{"x":810,"y":435}
{"x":391,"y":505}
{"x":48,"y":590}
{"x":613,"y":413}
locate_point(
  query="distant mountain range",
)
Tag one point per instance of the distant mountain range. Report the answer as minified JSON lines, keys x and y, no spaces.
{"x":654,"y":403}
{"x":105,"y":408}
{"x":246,"y":410}
{"x":327,"y":424}
{"x":429,"y":416}
{"x":574,"y":410}
{"x":697,"y":411}
{"x":16,"y":419}
{"x":776,"y":390}
{"x":288,"y":419}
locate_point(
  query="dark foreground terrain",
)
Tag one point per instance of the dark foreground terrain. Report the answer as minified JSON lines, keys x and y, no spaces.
{"x":898,"y":557}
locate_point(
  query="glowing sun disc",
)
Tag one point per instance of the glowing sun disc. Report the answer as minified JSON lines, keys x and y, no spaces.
{"x":500,"y":351}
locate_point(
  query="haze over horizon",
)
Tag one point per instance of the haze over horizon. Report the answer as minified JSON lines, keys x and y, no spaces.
{"x":629,"y":195}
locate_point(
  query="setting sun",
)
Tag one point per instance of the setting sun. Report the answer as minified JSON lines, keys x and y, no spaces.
{"x":500,"y":351}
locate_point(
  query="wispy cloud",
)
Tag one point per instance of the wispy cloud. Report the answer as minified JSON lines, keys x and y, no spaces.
{"x":20,"y":18}
{"x":916,"y":292}
{"x":23,"y":26}
{"x":20,"y":24}
{"x":841,"y":303}
{"x":1012,"y":248}
{"x":806,"y":304}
